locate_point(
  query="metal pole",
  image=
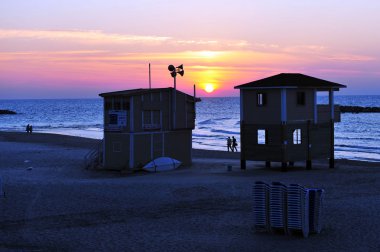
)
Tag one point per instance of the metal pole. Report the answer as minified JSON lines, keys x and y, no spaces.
{"x":308,"y":158}
{"x":150,"y":83}
{"x":174,"y":103}
{"x":331,"y":102}
{"x":195,"y":101}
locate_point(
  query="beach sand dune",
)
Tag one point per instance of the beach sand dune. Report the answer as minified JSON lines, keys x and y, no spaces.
{"x":53,"y":204}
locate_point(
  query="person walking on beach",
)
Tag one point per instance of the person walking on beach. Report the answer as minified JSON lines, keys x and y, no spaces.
{"x":229,"y":144}
{"x":30,"y":129}
{"x":27,"y":128}
{"x":234,"y":144}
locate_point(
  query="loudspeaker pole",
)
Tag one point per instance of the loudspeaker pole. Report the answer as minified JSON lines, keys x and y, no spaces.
{"x":150,"y":82}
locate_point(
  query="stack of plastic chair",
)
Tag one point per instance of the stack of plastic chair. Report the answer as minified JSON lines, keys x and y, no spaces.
{"x":261,"y":206}
{"x":298,"y":209}
{"x":277,"y":207}
{"x":292,"y":209}
{"x":315,"y":208}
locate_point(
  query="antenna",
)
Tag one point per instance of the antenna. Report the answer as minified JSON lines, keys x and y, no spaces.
{"x":195,"y":100}
{"x":150,"y":81}
{"x":173,"y":72}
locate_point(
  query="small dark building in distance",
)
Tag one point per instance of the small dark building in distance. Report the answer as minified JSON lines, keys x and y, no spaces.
{"x":281,"y":120}
{"x":143,"y":124}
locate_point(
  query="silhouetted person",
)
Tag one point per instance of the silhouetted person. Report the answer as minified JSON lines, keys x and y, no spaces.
{"x":30,"y":129}
{"x":234,"y":144}
{"x":27,"y":128}
{"x":229,"y":142}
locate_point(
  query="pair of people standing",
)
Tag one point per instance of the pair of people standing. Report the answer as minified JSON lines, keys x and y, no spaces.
{"x":29,"y":128}
{"x":231,"y":144}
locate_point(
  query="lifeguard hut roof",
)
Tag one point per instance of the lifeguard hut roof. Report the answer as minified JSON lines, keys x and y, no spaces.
{"x":291,"y":80}
{"x":139,"y":91}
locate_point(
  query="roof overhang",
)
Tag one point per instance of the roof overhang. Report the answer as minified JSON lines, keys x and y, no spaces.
{"x":290,"y":87}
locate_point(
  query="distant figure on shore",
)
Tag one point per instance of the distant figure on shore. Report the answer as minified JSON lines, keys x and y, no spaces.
{"x":234,"y":144}
{"x":229,"y":144}
{"x":29,"y":128}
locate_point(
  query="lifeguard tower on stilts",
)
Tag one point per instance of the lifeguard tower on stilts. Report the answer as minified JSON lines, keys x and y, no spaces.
{"x":281,"y":120}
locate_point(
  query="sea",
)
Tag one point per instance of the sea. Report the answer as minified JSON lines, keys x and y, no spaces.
{"x":357,"y":136}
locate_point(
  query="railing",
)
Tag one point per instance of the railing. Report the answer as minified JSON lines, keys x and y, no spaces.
{"x":94,"y":158}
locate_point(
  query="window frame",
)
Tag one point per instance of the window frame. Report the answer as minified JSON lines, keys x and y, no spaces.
{"x":261,"y":99}
{"x":265,"y":131}
{"x":297,"y":136}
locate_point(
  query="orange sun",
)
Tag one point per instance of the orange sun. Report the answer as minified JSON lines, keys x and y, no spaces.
{"x":209,"y":88}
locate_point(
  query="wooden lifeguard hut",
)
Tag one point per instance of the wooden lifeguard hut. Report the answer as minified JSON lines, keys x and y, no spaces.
{"x":143,"y":124}
{"x":281,"y":120}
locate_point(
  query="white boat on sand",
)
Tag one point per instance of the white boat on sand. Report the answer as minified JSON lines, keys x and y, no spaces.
{"x":162,"y":164}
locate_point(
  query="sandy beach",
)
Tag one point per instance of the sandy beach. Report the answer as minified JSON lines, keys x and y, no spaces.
{"x":52,"y":203}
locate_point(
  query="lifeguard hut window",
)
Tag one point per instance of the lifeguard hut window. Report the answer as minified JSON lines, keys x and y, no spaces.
{"x":262,"y":136}
{"x":297,"y":136}
{"x":300,"y":98}
{"x":117,"y":120}
{"x":151,"y":119}
{"x":261,"y":99}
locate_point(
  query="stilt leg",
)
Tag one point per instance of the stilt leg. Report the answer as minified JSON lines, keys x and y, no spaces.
{"x":332,"y":163}
{"x":284,"y":167}
{"x":308,"y":164}
{"x":242,"y":164}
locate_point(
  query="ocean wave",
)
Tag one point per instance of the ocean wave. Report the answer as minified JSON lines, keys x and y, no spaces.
{"x":54,"y":127}
{"x":226,"y":132}
{"x":208,"y":121}
{"x":357,"y":151}
{"x":69,"y":126}
{"x":357,"y":147}
{"x":210,"y":136}
{"x":362,"y":156}
{"x":357,"y":138}
{"x":216,"y":120}
{"x":213,"y":145}
{"x":222,"y":119}
{"x":203,"y":135}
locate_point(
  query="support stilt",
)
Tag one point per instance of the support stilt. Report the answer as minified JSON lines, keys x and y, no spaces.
{"x":308,"y":165}
{"x":284,"y":167}
{"x":242,"y":164}
{"x":331,"y":163}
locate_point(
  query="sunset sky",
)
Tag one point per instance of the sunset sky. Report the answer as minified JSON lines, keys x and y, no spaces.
{"x":78,"y":49}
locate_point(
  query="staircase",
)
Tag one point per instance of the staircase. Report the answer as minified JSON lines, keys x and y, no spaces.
{"x":94,"y":158}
